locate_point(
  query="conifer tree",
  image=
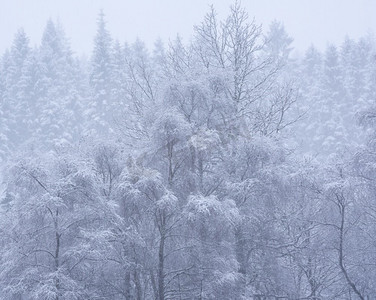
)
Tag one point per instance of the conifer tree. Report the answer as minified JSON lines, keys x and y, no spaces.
{"x":99,"y":113}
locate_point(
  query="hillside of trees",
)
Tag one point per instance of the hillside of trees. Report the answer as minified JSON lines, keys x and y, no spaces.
{"x":216,"y":168}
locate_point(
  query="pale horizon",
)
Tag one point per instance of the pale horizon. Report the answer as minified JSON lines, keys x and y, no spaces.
{"x":307,"y":22}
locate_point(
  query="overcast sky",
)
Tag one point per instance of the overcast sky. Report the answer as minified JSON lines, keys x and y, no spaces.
{"x":307,"y":21}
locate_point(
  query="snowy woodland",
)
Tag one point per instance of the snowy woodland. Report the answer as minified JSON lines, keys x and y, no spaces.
{"x":220,"y":167}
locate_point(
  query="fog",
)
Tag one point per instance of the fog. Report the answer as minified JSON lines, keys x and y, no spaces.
{"x":308,"y":22}
{"x":226,"y":161}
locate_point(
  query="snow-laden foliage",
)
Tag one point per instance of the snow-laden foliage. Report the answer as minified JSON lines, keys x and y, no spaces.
{"x":215,"y":168}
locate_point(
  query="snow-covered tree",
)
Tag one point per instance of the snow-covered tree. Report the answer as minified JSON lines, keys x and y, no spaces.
{"x":50,"y":213}
{"x":100,"y":109}
{"x":57,"y":95}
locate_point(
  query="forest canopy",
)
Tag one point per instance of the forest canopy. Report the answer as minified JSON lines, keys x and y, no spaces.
{"x":216,"y":168}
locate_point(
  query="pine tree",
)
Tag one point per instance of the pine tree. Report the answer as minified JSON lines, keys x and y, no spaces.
{"x":5,"y":116}
{"x":310,"y":91}
{"x":278,"y":43}
{"x":18,"y":95}
{"x":100,"y":114}
{"x":15,"y":104}
{"x":119,"y":83}
{"x":56,"y":91}
{"x":333,"y":112}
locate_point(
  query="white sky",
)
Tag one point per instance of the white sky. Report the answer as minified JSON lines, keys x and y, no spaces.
{"x":307,"y":21}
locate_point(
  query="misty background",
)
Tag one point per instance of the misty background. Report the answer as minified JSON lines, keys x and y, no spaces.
{"x":308,"y":22}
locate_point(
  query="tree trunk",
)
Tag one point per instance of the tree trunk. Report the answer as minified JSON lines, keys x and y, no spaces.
{"x":57,"y":253}
{"x":340,"y":252}
{"x":153,"y":284}
{"x":161,"y":287}
{"x":138,"y":285}
{"x":241,"y":258}
{"x":127,"y":285}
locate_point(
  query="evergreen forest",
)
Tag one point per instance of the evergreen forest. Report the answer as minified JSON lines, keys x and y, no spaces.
{"x":220,"y":167}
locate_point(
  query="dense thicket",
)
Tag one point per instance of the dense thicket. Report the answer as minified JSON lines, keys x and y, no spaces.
{"x":216,"y":169}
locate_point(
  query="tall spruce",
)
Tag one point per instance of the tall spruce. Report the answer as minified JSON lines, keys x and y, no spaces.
{"x":100,"y":113}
